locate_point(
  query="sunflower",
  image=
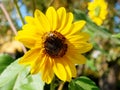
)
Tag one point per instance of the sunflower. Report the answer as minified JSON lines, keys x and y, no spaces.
{"x":97,"y":11}
{"x":56,"y":44}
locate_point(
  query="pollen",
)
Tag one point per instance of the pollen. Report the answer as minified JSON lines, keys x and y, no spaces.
{"x":54,"y":44}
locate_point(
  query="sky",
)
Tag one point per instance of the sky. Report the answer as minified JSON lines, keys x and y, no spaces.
{"x":24,"y":12}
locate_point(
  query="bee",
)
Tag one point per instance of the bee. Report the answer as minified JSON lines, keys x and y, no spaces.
{"x":54,"y":44}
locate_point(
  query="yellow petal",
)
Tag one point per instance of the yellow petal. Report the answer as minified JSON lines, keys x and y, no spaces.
{"x":85,"y":47}
{"x":29,"y":42}
{"x":42,"y":20}
{"x":33,"y":28}
{"x":28,"y":39}
{"x":44,"y":65}
{"x":30,"y":56}
{"x":71,"y":67}
{"x":91,"y":6}
{"x":79,"y":37}
{"x":66,"y":29}
{"x":29,"y":19}
{"x":38,"y":65}
{"x":76,"y":57}
{"x":77,"y":27}
{"x":98,"y":21}
{"x":52,"y":17}
{"x":91,"y":14}
{"x":61,"y":17}
{"x":59,"y":69}
{"x":81,"y":60}
{"x":82,"y":47}
{"x":103,"y":14}
{"x":30,"y":28}
{"x":68,"y":68}
{"x":47,"y":73}
{"x":103,"y":4}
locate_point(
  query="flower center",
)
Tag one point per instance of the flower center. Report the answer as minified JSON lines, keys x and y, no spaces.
{"x":54,"y":44}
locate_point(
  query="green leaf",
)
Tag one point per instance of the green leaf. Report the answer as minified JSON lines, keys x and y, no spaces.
{"x":116,"y":35}
{"x":79,"y":15}
{"x":5,"y":60}
{"x":9,"y":85}
{"x":82,"y":83}
{"x":25,"y":81}
{"x":10,"y":72}
{"x":17,"y":77}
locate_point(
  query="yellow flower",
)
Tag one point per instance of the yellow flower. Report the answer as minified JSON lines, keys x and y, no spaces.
{"x":56,"y":44}
{"x":97,"y":11}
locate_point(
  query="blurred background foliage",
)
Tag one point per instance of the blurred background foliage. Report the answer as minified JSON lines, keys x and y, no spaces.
{"x":103,"y":64}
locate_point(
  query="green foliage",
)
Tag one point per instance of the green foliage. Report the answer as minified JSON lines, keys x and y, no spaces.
{"x":93,"y":29}
{"x":116,"y":35}
{"x":17,"y":77}
{"x":5,"y":60}
{"x":82,"y":83}
{"x":90,"y":64}
{"x":79,"y":15}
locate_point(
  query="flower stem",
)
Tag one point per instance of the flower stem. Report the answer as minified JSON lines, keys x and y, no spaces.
{"x":52,"y":86}
{"x":18,"y":10}
{"x":61,"y":86}
{"x":11,"y":23}
{"x":34,"y":5}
